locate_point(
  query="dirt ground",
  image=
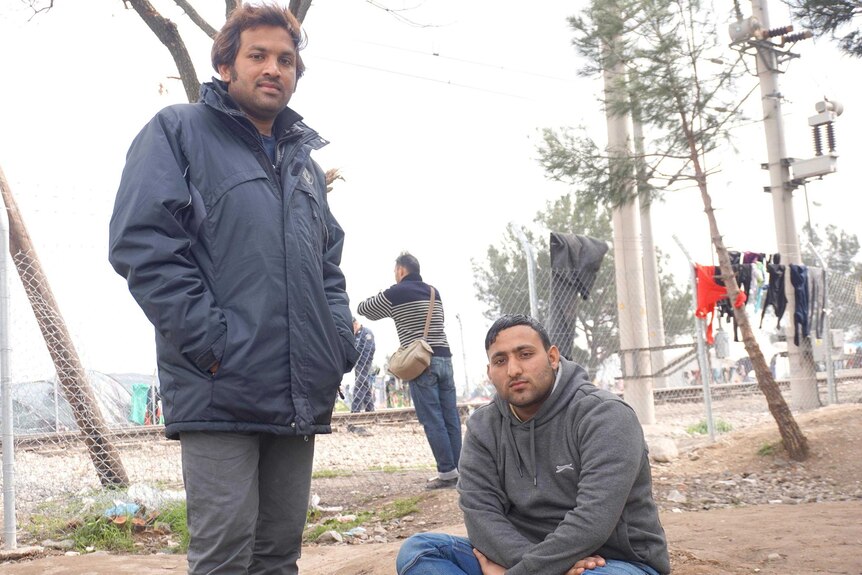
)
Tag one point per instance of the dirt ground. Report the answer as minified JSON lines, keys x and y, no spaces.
{"x":804,"y":532}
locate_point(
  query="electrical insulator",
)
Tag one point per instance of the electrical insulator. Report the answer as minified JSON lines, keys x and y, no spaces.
{"x":818,"y":142}
{"x":777,"y":32}
{"x":790,"y":38}
{"x":830,"y":136}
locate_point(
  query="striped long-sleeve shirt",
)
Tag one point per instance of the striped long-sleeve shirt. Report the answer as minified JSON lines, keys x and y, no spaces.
{"x":407,"y":304}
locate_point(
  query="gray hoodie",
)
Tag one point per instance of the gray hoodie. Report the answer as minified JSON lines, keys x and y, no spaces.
{"x":574,"y":480}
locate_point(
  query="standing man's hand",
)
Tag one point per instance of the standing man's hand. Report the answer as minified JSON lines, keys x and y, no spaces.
{"x":586,"y":563}
{"x":488,"y":566}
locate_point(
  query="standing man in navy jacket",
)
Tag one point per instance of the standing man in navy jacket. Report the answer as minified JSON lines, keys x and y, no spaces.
{"x":223,"y":231}
{"x":433,"y":392}
{"x":363,"y":392}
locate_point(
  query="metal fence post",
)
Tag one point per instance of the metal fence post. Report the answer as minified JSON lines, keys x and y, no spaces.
{"x":700,"y":325}
{"x":831,"y":393}
{"x":10,"y":540}
{"x":531,"y":271}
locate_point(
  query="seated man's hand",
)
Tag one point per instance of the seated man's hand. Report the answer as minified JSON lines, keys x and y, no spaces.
{"x":586,"y":563}
{"x":488,"y":566}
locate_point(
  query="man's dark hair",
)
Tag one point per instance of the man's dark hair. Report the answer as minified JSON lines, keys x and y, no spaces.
{"x":408,"y":262}
{"x":512,"y":320}
{"x":248,"y":16}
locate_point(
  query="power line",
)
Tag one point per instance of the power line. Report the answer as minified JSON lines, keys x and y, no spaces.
{"x":426,"y":78}
{"x":465,"y":61}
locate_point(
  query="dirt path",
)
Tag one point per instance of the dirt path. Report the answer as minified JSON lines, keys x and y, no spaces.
{"x":813,"y":526}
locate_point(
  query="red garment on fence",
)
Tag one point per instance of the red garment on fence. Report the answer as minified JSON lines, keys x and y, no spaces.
{"x":709,"y":293}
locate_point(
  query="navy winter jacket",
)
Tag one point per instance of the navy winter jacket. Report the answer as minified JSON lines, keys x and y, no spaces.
{"x":235,"y":261}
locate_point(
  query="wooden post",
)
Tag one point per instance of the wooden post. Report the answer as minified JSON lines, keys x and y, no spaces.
{"x":70,"y":372}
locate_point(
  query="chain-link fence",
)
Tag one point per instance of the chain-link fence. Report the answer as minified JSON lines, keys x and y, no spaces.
{"x":82,"y":433}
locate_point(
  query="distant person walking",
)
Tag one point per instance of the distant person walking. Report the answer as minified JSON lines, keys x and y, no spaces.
{"x":223,"y":232}
{"x":433,"y":391}
{"x":363,"y":396}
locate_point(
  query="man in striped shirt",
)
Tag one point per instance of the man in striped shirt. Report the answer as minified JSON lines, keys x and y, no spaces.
{"x":433,"y":391}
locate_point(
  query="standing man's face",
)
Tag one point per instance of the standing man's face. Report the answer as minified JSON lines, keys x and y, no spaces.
{"x":521,"y":370}
{"x":263,"y":76}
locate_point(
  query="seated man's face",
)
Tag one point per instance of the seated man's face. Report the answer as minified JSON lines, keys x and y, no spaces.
{"x":521,"y":370}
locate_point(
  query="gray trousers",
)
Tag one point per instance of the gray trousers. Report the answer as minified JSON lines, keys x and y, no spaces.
{"x":247,"y":499}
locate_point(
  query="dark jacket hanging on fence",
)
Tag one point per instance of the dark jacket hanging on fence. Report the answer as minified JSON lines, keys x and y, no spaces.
{"x":799,"y":279}
{"x":775,"y":295}
{"x":575,"y":261}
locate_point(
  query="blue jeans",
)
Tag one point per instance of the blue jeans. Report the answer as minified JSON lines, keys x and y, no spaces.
{"x":433,"y":394}
{"x":441,"y":554}
{"x":363,"y":398}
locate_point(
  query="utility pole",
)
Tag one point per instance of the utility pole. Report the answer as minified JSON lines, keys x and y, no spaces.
{"x":628,"y":252}
{"x":652,"y":292}
{"x":803,"y":384}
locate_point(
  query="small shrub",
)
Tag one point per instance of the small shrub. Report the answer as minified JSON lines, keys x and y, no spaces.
{"x":700,"y":428}
{"x":766,"y":450}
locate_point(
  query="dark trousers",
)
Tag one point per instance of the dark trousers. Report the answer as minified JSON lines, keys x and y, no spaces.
{"x":247,"y":499}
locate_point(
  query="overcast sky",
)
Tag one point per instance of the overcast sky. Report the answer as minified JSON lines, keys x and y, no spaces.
{"x":434,"y":128}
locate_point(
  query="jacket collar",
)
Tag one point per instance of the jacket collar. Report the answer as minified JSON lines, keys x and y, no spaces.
{"x":414,"y":277}
{"x":215,"y":95}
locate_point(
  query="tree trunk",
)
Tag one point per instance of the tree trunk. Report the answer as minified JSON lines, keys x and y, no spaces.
{"x":70,"y":372}
{"x":166,"y":31}
{"x":230,"y":6}
{"x":791,"y":435}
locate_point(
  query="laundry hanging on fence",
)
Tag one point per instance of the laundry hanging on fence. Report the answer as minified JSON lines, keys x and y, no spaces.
{"x":801,"y":310}
{"x":775,"y":295}
{"x":709,"y":294}
{"x":575,"y":261}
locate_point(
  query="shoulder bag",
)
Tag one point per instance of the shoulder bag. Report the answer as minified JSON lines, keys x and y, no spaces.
{"x":409,"y":361}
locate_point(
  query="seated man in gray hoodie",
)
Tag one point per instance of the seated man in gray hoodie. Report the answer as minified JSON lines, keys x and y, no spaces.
{"x":555,"y":475}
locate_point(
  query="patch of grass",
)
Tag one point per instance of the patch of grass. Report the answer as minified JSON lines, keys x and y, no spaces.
{"x":394,"y":510}
{"x":766,"y":449}
{"x":53,"y":520}
{"x":330,"y":473}
{"x":332,"y":524}
{"x":175,"y":515}
{"x":103,"y":534}
{"x":700,"y":428}
{"x":400,"y":508}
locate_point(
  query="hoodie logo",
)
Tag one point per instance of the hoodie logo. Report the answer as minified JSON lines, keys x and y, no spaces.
{"x":306,"y":175}
{"x":569,"y":466}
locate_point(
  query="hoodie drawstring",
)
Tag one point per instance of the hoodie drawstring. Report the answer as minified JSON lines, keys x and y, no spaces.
{"x":533,"y":452}
{"x":510,"y":439}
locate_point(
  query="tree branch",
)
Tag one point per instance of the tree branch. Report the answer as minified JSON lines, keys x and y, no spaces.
{"x":166,"y":31}
{"x":196,"y":18}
